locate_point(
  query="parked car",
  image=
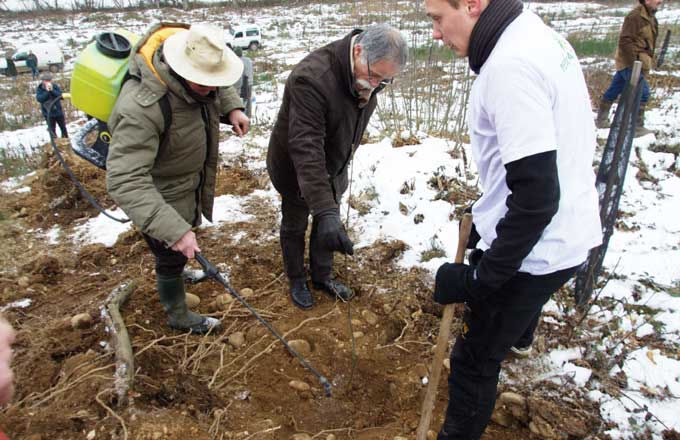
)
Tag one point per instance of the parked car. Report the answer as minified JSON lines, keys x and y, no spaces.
{"x":49,"y":55}
{"x":246,"y":37}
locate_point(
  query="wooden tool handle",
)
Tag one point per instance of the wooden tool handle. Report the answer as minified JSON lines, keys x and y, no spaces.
{"x":442,"y":339}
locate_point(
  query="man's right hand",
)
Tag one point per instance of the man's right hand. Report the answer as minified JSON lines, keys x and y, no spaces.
{"x":332,"y":233}
{"x":6,"y":338}
{"x":187,"y":245}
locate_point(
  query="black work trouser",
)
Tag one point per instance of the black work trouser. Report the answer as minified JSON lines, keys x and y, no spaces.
{"x":169,"y":263}
{"x":492,"y":326}
{"x":52,"y":125}
{"x":294,"y":221}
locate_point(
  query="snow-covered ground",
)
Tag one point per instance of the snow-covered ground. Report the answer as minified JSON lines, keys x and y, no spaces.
{"x":645,"y":257}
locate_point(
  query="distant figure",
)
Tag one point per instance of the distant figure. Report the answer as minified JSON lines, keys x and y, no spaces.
{"x":11,"y":69}
{"x":6,"y":376}
{"x":245,"y":84}
{"x":49,"y":97}
{"x":637,"y":41}
{"x":32,"y":63}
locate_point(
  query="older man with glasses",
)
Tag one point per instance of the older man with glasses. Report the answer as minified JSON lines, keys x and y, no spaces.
{"x":327,"y":103}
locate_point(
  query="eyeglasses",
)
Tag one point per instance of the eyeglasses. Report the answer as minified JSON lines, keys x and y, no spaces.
{"x":382,"y":82}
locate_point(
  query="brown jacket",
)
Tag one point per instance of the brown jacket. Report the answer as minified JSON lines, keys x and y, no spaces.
{"x":637,"y":40}
{"x":318,"y":126}
{"x":164,"y":189}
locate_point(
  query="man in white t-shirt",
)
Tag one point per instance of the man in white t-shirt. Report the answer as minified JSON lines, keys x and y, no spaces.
{"x":533,"y":141}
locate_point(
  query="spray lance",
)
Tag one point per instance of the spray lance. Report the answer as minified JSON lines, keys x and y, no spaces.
{"x":212,"y":272}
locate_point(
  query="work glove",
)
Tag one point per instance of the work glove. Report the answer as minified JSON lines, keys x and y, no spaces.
{"x":453,"y":283}
{"x":331,"y":232}
{"x":475,"y":257}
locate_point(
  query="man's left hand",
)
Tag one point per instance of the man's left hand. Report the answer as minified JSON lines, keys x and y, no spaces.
{"x":453,"y":283}
{"x":239,"y":121}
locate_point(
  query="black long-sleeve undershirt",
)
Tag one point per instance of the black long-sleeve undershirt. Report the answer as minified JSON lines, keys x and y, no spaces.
{"x":532,"y":203}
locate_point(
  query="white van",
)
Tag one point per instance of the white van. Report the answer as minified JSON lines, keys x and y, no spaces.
{"x":246,"y":37}
{"x":49,"y":55}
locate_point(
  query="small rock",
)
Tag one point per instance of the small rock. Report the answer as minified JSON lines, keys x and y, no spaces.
{"x":23,"y":281}
{"x":447,"y":363}
{"x":301,"y":346}
{"x":299,"y":385}
{"x":431,"y":435}
{"x":91,"y":434}
{"x":246,"y":292}
{"x":223,"y":301}
{"x":331,"y":437}
{"x":81,"y":320}
{"x":358,"y":335}
{"x":192,"y":300}
{"x":387,"y":308}
{"x":370,"y":317}
{"x":357,"y":322}
{"x":300,"y":436}
{"x":254,"y":333}
{"x":399,"y":437}
{"x":501,"y":417}
{"x":510,"y":398}
{"x":542,"y":428}
{"x":236,"y":339}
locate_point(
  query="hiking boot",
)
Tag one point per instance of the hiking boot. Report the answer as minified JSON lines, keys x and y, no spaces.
{"x":173,"y":298}
{"x":602,"y":120}
{"x":300,"y":293}
{"x":521,"y":352}
{"x":640,"y":129}
{"x":335,"y":289}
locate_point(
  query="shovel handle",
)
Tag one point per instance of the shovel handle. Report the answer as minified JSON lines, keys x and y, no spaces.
{"x":442,"y":338}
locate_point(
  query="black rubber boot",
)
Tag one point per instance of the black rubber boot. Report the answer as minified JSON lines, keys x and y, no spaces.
{"x":173,"y":299}
{"x":300,"y":293}
{"x":335,"y":289}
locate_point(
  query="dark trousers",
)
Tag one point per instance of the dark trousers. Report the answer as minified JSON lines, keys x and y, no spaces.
{"x":52,"y":125}
{"x":35,"y":72}
{"x":168,"y":262}
{"x":621,"y":78}
{"x":294,"y":220}
{"x":492,"y":326}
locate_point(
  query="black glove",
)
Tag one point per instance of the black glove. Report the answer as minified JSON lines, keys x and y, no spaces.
{"x":453,"y":283}
{"x":331,"y":232}
{"x":475,"y":257}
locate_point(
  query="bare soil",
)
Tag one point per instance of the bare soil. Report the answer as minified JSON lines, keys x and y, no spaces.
{"x":375,"y":350}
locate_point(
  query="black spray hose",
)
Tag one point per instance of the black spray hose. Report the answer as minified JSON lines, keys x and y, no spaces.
{"x":212,"y":272}
{"x":74,"y":179}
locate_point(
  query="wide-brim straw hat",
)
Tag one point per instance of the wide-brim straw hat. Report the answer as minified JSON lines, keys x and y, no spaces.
{"x":200,"y":55}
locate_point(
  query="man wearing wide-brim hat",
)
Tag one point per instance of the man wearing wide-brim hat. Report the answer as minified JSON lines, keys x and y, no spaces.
{"x":162,"y":161}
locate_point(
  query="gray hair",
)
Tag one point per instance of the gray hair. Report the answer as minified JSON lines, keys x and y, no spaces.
{"x":383,"y":42}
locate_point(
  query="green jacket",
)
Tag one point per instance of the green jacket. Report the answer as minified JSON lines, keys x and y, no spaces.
{"x":637,"y":40}
{"x":164,"y":189}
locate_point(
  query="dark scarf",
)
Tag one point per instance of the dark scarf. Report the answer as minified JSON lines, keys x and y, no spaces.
{"x":489,"y":28}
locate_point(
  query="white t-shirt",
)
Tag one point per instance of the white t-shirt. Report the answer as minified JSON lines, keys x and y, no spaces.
{"x":531,"y":97}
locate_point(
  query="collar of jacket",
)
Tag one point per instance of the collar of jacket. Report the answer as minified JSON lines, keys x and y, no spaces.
{"x":342,"y":64}
{"x":644,"y":13}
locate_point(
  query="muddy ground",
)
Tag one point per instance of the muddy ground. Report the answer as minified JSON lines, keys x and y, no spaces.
{"x":236,"y":384}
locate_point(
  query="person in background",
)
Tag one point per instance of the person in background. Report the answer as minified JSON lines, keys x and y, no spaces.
{"x":327,"y":102}
{"x":48,"y":95}
{"x":32,"y":63}
{"x":164,"y":177}
{"x":245,"y":84}
{"x":533,"y":139}
{"x":637,"y":42}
